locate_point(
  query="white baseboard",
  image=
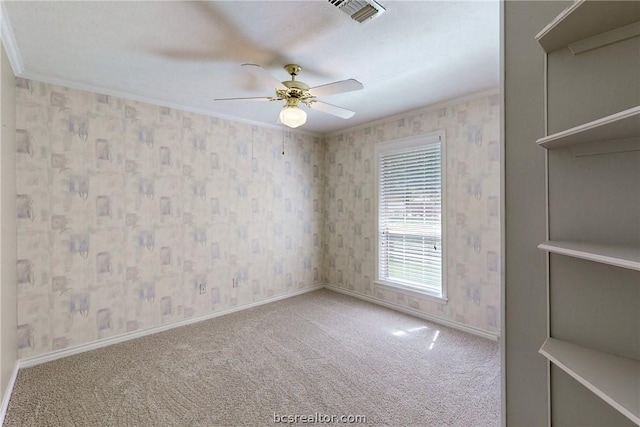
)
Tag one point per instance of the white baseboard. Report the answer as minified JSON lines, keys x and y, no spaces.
{"x":8,"y":392}
{"x":58,"y":354}
{"x":445,"y":322}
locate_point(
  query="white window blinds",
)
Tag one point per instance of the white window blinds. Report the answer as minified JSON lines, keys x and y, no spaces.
{"x":409,"y":216}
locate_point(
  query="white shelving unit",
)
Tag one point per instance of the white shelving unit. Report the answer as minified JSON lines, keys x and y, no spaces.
{"x":585,"y":20}
{"x":613,"y":378}
{"x":621,"y":127}
{"x":620,"y":256}
{"x":583,"y":27}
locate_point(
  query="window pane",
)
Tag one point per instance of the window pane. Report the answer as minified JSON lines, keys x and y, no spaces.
{"x":410,"y":228}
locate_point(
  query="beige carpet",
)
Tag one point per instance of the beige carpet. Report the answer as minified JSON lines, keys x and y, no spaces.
{"x":320,"y":352}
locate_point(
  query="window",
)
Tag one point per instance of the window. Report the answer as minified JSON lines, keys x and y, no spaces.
{"x":410,"y":222}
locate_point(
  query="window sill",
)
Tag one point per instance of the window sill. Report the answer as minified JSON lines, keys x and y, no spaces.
{"x":440,"y":299}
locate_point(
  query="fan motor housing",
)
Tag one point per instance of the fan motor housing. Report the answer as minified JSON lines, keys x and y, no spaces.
{"x":296,"y":90}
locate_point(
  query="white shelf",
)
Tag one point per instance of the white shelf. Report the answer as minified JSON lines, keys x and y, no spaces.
{"x":620,"y":256}
{"x":619,"y":127}
{"x":614,"y":379}
{"x":584,"y":19}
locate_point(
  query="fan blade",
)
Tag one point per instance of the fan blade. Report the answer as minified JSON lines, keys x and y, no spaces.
{"x":336,"y":87}
{"x":261,"y":98}
{"x":331,"y":109}
{"x":264,"y":76}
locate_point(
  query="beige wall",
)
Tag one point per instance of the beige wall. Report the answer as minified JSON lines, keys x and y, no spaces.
{"x":125,"y":209}
{"x":7,"y":221}
{"x":472,"y":210}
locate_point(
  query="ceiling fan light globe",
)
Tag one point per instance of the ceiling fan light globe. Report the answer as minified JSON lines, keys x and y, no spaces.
{"x":292,"y":116}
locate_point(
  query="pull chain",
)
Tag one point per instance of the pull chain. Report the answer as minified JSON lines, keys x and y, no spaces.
{"x":283,"y":142}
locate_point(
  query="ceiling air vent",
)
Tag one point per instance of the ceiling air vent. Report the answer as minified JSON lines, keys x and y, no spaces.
{"x":359,"y":10}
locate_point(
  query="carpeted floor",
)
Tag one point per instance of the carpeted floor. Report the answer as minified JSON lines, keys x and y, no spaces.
{"x":320,"y":352}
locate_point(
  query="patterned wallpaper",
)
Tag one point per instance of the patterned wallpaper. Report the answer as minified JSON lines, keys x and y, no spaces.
{"x":125,"y":209}
{"x":473,"y":210}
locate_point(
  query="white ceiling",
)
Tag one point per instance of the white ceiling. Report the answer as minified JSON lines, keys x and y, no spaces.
{"x":185,"y":54}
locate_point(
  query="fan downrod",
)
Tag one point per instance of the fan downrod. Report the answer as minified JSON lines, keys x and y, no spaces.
{"x":295,"y":88}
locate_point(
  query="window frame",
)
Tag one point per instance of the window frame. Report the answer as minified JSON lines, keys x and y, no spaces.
{"x":396,"y":146}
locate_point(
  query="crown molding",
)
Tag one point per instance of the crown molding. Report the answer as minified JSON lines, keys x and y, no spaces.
{"x":88,"y":87}
{"x":9,"y":42}
{"x":421,"y":110}
{"x":8,"y":39}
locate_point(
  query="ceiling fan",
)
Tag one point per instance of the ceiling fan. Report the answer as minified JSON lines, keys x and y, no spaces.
{"x":295,"y":92}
